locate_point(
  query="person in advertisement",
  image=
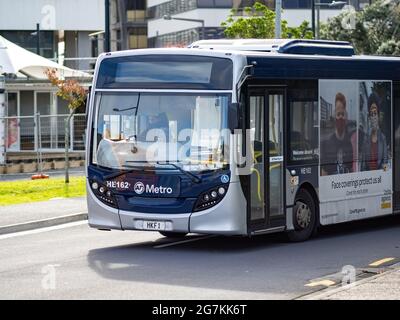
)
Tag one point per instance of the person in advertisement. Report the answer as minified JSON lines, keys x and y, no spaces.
{"x":12,"y":136}
{"x":375,"y":150}
{"x":337,"y":150}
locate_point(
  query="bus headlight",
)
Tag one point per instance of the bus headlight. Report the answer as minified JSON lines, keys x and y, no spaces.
{"x":210,"y":198}
{"x":103,"y":194}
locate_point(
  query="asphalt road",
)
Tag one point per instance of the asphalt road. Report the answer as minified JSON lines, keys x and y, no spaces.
{"x":77,"y":262}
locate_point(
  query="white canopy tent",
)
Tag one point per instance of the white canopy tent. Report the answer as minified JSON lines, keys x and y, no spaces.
{"x":16,"y":60}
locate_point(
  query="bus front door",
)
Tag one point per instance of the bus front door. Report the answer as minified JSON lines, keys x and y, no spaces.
{"x":266,"y":180}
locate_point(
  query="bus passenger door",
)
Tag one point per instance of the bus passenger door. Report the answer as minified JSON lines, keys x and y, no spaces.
{"x":266,"y":179}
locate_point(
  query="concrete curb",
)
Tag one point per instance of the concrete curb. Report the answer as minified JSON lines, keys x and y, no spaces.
{"x":326,"y":293}
{"x":25,"y":226}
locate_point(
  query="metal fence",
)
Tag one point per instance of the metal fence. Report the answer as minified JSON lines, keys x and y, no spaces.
{"x":43,"y":132}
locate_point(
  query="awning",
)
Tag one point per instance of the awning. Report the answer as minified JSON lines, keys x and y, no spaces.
{"x":15,"y":60}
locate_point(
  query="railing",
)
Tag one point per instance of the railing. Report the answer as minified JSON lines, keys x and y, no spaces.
{"x":170,"y":8}
{"x":43,"y":132}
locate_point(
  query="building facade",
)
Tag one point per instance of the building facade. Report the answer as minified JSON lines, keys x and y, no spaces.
{"x":34,"y":115}
{"x":65,"y":28}
{"x":72,"y":31}
{"x":128,"y":24}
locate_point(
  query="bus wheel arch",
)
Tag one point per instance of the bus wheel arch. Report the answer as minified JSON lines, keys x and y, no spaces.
{"x":305,"y":214}
{"x":309,"y":187}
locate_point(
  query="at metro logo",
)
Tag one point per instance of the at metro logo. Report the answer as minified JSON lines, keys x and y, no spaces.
{"x":154,"y":185}
{"x":158,"y":190}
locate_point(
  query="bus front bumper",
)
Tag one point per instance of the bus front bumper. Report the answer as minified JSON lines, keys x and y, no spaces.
{"x":228,"y":217}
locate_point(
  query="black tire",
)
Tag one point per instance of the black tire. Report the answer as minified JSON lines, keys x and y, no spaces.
{"x":170,"y":234}
{"x":304,"y":217}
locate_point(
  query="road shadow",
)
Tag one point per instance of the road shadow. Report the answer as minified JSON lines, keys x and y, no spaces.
{"x":358,"y":227}
{"x":260,"y":264}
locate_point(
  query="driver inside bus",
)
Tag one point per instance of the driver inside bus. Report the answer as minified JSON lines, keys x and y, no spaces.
{"x":157,"y":125}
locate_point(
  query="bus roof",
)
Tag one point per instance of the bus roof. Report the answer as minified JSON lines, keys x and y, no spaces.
{"x":286,"y":59}
{"x":284,"y":66}
{"x":306,"y":59}
{"x":291,"y":46}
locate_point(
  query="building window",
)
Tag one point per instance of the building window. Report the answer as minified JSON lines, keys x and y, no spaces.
{"x":12,"y":104}
{"x":137,"y":38}
{"x":298,"y":4}
{"x":249,"y":3}
{"x":303,"y":122}
{"x":135,"y":10}
{"x":215,"y":3}
{"x":303,"y":130}
{"x":185,"y":37}
{"x":171,"y":8}
{"x":26,"y":124}
{"x":135,"y":15}
{"x":28,"y":41}
{"x":175,"y":39}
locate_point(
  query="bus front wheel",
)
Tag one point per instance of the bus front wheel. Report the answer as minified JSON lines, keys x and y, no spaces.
{"x":170,"y":234}
{"x":304,"y":217}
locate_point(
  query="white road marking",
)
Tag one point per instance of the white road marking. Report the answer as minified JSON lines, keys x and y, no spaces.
{"x":184,"y":241}
{"x":40,"y":230}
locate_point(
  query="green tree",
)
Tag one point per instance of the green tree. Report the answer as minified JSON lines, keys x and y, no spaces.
{"x":374,"y":30}
{"x":301,"y":32}
{"x":72,"y":92}
{"x":258,"y":22}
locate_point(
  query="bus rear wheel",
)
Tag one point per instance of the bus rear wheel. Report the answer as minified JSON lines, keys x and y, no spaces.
{"x":170,"y":234}
{"x":304,"y":217}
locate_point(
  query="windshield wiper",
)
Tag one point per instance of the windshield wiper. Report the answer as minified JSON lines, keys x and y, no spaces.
{"x":121,"y":172}
{"x":192,"y":176}
{"x":131,"y":169}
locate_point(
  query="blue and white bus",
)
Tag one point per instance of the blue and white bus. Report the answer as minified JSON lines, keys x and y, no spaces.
{"x":242,"y":137}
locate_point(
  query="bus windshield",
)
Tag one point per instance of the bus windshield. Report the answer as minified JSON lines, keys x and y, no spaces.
{"x":140,"y":129}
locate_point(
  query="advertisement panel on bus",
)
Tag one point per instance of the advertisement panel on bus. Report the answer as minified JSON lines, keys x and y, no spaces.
{"x":355,"y":178}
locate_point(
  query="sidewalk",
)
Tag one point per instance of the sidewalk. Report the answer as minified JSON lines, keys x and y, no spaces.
{"x":52,"y":173}
{"x":384,"y":286}
{"x":32,"y":215}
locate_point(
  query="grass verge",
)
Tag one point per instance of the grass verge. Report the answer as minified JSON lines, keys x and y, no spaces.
{"x":14,"y":192}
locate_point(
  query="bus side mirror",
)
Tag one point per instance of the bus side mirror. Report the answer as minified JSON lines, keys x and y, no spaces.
{"x":233,"y":116}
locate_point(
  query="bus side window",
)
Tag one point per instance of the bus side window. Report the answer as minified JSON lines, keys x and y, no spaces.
{"x":303,"y":137}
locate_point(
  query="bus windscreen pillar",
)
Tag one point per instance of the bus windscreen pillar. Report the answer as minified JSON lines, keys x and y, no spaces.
{"x":2,"y":120}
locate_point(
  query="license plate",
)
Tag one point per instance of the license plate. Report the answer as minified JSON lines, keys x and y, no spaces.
{"x":154,"y":225}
